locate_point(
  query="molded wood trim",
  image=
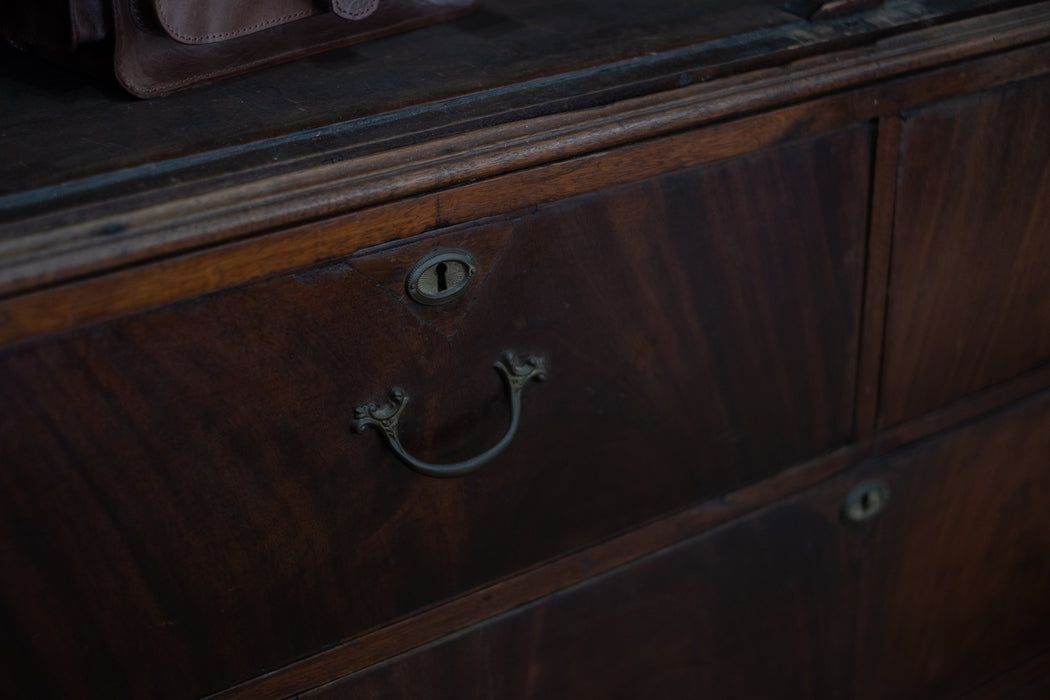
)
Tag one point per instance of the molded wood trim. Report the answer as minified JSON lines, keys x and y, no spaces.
{"x":45,"y":251}
{"x":76,"y":304}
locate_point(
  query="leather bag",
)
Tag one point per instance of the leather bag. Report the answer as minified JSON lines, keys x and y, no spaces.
{"x":160,"y":46}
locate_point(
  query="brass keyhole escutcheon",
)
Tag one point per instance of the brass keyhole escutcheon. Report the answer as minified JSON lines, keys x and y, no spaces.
{"x":441,"y":276}
{"x":865,"y":501}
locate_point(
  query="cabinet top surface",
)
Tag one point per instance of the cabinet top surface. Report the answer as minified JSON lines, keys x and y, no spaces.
{"x":510,"y":60}
{"x":94,"y":180}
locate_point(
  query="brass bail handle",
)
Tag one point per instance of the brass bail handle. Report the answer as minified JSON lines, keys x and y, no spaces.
{"x":384,"y":418}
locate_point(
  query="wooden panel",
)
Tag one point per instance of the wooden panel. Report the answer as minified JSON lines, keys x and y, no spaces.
{"x":877,"y":272}
{"x":954,"y":589}
{"x":503,"y":596}
{"x":182,"y":487}
{"x":969,"y":301}
{"x":941,"y":592}
{"x":1028,"y":682}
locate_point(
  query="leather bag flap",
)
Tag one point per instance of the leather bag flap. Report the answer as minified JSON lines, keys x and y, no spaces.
{"x":210,"y":21}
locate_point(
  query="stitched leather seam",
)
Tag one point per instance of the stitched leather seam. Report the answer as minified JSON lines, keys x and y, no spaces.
{"x":165,"y":20}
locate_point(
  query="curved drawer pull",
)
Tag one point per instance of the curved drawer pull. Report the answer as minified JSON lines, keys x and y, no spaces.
{"x":384,"y":418}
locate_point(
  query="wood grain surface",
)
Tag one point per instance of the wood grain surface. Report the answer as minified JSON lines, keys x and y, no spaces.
{"x":969,"y":302}
{"x":944,"y":590}
{"x":139,"y":287}
{"x":79,"y":228}
{"x":877,"y":273}
{"x":508,"y":594}
{"x":702,"y":333}
{"x":1030,"y":681}
{"x":186,"y":512}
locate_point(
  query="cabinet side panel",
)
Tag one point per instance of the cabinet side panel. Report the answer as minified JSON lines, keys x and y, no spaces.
{"x":969,"y":301}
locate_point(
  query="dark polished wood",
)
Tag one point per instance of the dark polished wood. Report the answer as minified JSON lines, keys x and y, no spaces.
{"x":953,"y":585}
{"x":765,"y":257}
{"x":701,"y":333}
{"x":459,"y":613}
{"x":49,"y":309}
{"x":969,"y":302}
{"x":1028,"y":682}
{"x":877,"y":273}
{"x":942,"y":591}
{"x":506,"y":595}
{"x":81,"y":227}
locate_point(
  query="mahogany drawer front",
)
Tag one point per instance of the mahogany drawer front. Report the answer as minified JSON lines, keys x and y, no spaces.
{"x":941,"y":591}
{"x":969,"y":291}
{"x":186,"y":506}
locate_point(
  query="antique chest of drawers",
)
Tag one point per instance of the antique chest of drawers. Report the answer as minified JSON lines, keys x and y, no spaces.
{"x":564,"y":350}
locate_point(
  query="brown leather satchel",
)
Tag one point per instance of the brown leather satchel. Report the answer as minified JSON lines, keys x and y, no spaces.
{"x":160,"y":46}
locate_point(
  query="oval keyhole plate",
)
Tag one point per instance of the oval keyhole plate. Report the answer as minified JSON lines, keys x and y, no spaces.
{"x":441,"y":276}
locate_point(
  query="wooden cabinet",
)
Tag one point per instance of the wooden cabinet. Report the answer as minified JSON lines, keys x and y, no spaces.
{"x":766,"y":258}
{"x":941,"y":590}
{"x":207,"y":446}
